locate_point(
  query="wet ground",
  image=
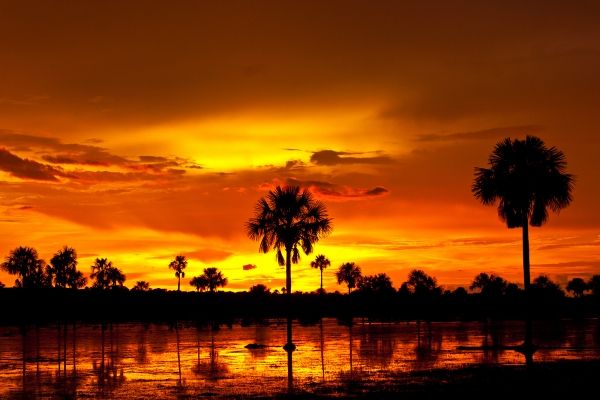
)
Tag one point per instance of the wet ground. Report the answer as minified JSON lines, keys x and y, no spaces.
{"x":141,"y":361}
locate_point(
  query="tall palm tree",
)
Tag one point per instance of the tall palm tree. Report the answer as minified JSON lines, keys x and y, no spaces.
{"x":321,"y":262}
{"x":178,"y":265}
{"x":25,"y":262}
{"x":350,"y":274}
{"x":213,"y":278}
{"x":525,"y":178}
{"x":285,"y":220}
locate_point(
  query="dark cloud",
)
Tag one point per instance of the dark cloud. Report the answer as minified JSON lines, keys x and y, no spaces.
{"x":153,"y":159}
{"x":331,"y":157}
{"x":335,"y":191}
{"x":492,"y":133}
{"x":28,"y":169}
{"x":54,"y":150}
{"x":248,"y":267}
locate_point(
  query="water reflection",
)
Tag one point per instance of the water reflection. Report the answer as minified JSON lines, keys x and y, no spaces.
{"x":121,"y":361}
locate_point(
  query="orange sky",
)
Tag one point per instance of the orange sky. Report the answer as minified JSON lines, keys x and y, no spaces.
{"x":137,"y":132}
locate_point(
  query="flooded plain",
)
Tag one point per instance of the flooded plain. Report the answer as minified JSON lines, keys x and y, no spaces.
{"x":141,"y":361}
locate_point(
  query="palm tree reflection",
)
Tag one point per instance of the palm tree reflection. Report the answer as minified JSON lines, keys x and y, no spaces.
{"x":212,"y":369}
{"x":109,"y":375}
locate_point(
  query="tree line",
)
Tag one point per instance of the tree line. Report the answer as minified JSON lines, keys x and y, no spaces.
{"x":33,"y":273}
{"x":62,"y":272}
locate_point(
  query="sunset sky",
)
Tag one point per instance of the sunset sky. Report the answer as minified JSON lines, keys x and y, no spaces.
{"x":138,"y":130}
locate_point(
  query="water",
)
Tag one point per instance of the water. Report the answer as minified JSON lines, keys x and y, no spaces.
{"x":139,"y":361}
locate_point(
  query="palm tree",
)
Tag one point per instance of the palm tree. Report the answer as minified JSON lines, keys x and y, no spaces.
{"x":350,"y":274}
{"x":213,"y":278}
{"x":321,"y":262}
{"x":178,"y":265}
{"x":489,"y":285}
{"x":376,"y":284}
{"x":288,"y":218}
{"x":285,"y":220}
{"x":199,"y":282}
{"x":25,"y":262}
{"x":578,"y":286}
{"x":63,"y":269}
{"x":116,"y":277}
{"x":526,"y":178}
{"x":106,"y":275}
{"x":141,"y":286}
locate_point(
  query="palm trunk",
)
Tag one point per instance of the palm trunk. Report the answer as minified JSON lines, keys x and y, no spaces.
{"x":321,"y":280}
{"x":528,"y":344}
{"x":178,"y":283}
{"x":289,"y":346}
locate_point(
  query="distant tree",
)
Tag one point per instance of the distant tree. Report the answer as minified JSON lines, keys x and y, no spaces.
{"x":259,"y":290}
{"x":105,"y":275}
{"x":2,"y":285}
{"x":543,"y":287}
{"x":350,"y":274}
{"x":200,"y":283}
{"x":321,"y":262}
{"x":116,"y":277}
{"x":214,"y":278}
{"x":99,"y":273}
{"x":421,"y":284}
{"x":25,"y":263}
{"x":525,"y":178}
{"x":141,"y":286}
{"x":63,"y":269}
{"x":577,"y":286}
{"x":178,"y":265}
{"x":490,"y":286}
{"x":376,"y":284}
{"x":594,"y":285}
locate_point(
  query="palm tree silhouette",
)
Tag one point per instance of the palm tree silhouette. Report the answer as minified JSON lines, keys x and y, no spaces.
{"x":348,"y":273}
{"x":321,"y":262}
{"x":106,"y":275}
{"x":212,"y":278}
{"x":63,"y":269}
{"x":199,"y":282}
{"x":116,"y":277}
{"x":526,"y":178}
{"x":178,"y":265}
{"x":99,"y":273}
{"x":288,"y":218}
{"x":25,"y":262}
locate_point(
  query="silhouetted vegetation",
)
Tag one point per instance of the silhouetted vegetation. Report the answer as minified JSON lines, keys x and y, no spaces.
{"x":26,"y":264}
{"x":141,"y":286}
{"x":63,"y":272}
{"x":178,"y":265}
{"x":320,"y":262}
{"x":105,"y":275}
{"x":525,"y":178}
{"x":287,"y":219}
{"x":211,"y":279}
{"x":577,"y":286}
{"x":349,"y":274}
